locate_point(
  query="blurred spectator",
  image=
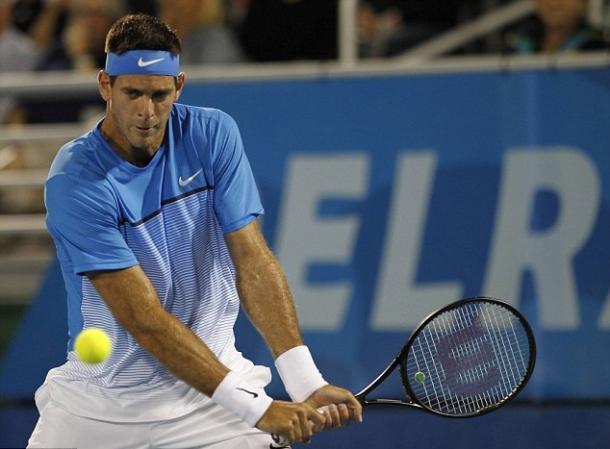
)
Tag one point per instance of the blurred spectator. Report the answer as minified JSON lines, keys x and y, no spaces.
{"x":25,"y":13}
{"x":389,"y":27}
{"x":236,"y":12}
{"x":18,"y":53}
{"x":80,"y":45}
{"x":200,"y":25}
{"x":381,"y":29}
{"x":559,"y":26}
{"x":73,"y":32}
{"x":284,"y":30}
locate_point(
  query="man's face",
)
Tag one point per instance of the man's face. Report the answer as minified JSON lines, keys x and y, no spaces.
{"x":561,"y":13}
{"x":137,"y":109}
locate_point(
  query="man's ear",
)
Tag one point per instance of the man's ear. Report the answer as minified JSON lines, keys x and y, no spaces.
{"x":103,"y":85}
{"x":179,"y":84}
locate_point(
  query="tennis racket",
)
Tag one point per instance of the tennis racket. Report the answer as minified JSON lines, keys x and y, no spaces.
{"x":464,"y":360}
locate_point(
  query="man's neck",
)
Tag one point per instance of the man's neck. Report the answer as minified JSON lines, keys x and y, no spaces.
{"x":140,"y":157}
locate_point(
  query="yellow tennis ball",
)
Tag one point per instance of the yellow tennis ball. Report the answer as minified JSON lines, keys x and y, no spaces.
{"x":420,"y":377}
{"x":93,"y":345}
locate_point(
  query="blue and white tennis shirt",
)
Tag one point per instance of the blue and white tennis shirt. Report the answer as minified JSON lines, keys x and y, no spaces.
{"x":169,"y":217}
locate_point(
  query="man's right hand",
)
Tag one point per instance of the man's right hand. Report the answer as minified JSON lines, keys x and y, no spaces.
{"x":291,"y":420}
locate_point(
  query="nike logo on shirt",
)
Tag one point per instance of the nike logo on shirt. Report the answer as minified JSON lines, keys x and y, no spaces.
{"x":142,"y":63}
{"x":255,"y":395}
{"x":184,"y":182}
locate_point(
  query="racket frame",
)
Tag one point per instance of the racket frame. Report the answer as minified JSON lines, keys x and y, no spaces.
{"x":401,"y":361}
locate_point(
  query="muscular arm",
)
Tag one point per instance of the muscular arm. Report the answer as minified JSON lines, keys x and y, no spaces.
{"x":263,"y":289}
{"x":134,"y":302}
{"x":266,"y":298}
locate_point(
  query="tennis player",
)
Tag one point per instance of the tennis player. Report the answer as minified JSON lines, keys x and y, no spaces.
{"x":154,"y":217}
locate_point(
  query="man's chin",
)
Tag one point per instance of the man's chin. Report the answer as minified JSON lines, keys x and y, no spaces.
{"x":142,"y":142}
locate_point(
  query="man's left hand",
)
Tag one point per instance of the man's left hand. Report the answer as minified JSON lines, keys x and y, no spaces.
{"x":341,"y":406}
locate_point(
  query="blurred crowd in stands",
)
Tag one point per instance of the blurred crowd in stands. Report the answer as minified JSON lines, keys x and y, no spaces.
{"x":43,"y":35}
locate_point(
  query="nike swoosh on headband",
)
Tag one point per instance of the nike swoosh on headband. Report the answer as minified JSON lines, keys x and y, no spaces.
{"x":142,"y":63}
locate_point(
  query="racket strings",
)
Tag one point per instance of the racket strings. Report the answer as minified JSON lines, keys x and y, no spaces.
{"x":469,"y":358}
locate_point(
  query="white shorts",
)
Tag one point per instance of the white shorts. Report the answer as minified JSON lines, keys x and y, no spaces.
{"x":210,"y":427}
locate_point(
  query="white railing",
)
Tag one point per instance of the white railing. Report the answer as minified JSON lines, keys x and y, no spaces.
{"x":463,"y":34}
{"x":19,"y":179}
{"x":347,"y":36}
{"x":60,"y":132}
{"x":22,"y":224}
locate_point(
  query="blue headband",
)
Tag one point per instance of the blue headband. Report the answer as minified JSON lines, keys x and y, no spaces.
{"x":143,"y":62}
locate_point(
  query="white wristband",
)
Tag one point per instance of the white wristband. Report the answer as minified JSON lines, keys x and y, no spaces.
{"x":247,"y":402}
{"x":299,"y":373}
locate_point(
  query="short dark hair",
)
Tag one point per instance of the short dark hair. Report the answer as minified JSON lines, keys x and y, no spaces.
{"x":141,"y":32}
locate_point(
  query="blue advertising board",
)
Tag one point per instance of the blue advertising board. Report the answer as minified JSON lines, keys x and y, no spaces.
{"x":388,"y":196}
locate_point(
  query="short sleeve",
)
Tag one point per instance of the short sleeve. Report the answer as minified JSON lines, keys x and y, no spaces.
{"x":236,"y":198}
{"x":82,"y":217}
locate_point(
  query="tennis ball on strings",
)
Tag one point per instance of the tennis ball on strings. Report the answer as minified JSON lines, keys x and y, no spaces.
{"x":93,"y":345}
{"x":420,"y":377}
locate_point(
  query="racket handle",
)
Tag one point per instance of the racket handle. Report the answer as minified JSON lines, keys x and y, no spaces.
{"x":281,"y":441}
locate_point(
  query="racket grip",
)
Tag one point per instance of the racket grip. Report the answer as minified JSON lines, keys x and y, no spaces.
{"x":281,"y":441}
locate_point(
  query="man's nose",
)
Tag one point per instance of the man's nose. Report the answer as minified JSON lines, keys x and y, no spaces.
{"x":146,"y":108}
